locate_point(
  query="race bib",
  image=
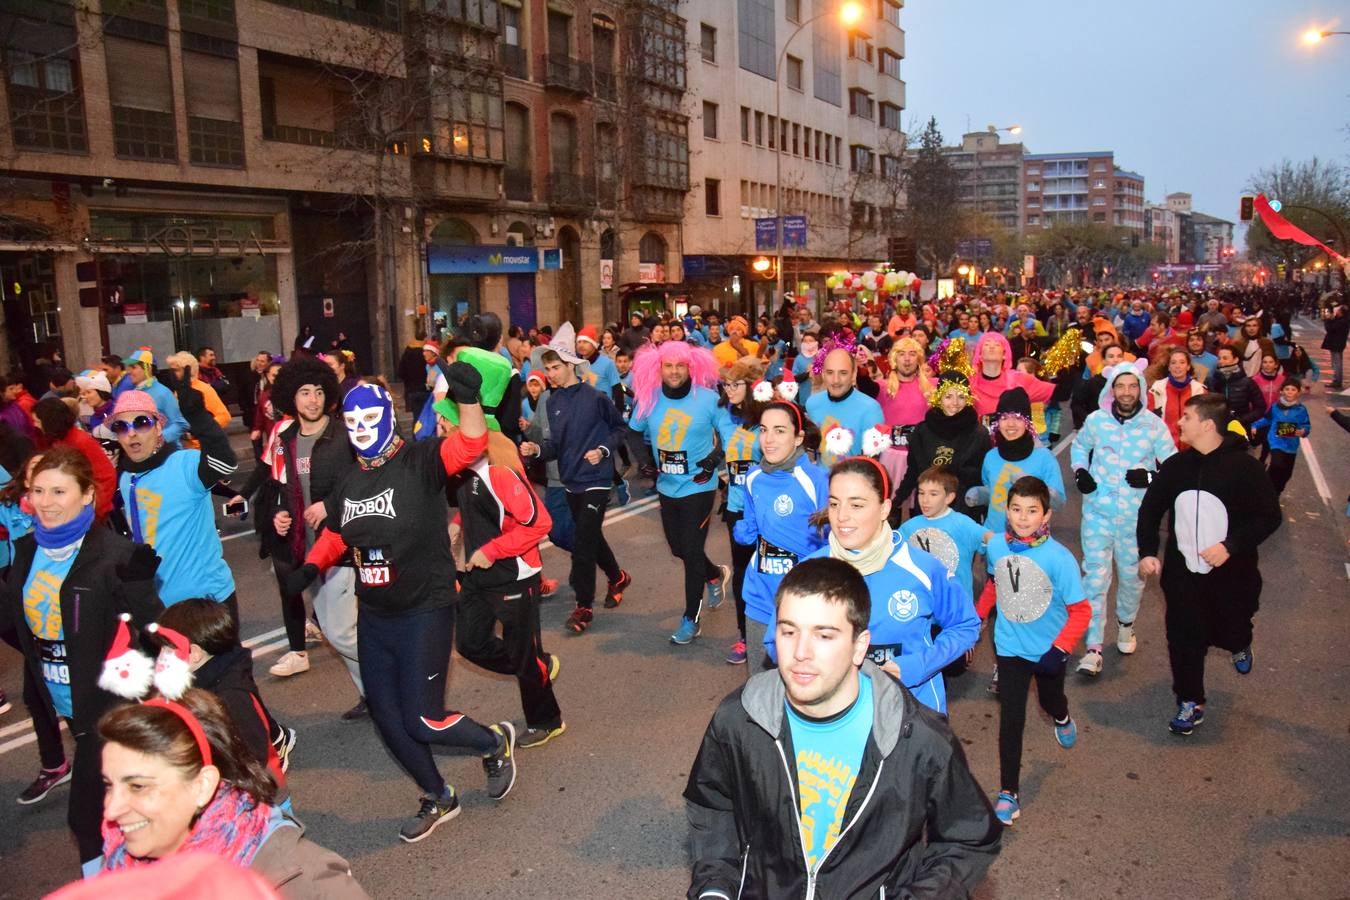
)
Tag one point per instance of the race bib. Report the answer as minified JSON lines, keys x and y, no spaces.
{"x":774,"y":560}
{"x":1286,"y":429}
{"x":373,"y":568}
{"x":883,"y":653}
{"x":673,"y":462}
{"x":900,"y":435}
{"x":738,"y":469}
{"x":53,"y":656}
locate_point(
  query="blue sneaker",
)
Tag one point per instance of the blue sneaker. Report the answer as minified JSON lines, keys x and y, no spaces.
{"x":1242,"y":661}
{"x":1006,"y":808}
{"x":1189,"y":715}
{"x":621,"y":495}
{"x":718,"y":588}
{"x":1066,"y":734}
{"x":685,"y":634}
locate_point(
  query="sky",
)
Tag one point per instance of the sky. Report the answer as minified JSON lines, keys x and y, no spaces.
{"x":1195,"y":95}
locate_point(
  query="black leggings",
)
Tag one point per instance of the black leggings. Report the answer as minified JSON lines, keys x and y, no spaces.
{"x":519,"y":651}
{"x":740,"y":562}
{"x":589,"y":545}
{"x":1281,"y":469}
{"x":405,"y":661}
{"x":292,"y":613}
{"x":1014,"y":681}
{"x":685,"y":522}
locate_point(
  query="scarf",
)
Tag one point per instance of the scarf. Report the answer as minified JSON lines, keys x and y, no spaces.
{"x":232,"y":827}
{"x":1020,"y":449}
{"x":1178,"y":385}
{"x":678,"y":393}
{"x":871,"y":558}
{"x":375,"y":462}
{"x":1230,"y":371}
{"x":948,"y":427}
{"x":786,"y":465}
{"x":65,"y":535}
{"x":1019,"y":545}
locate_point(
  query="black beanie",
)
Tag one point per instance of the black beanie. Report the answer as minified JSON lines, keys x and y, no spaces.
{"x":1014,"y":400}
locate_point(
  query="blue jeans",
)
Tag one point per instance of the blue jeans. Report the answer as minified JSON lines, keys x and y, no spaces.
{"x":563,"y":532}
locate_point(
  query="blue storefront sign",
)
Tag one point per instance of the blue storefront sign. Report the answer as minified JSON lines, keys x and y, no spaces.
{"x":481,"y":260}
{"x":794,"y":232}
{"x":766,"y":234}
{"x":553,"y":258}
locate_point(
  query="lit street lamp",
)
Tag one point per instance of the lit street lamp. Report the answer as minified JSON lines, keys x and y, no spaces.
{"x":1317,"y":35}
{"x":1011,"y":129}
{"x":850,"y":14}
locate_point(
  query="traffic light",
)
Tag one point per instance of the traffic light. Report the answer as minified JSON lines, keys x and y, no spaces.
{"x":1245,"y":204}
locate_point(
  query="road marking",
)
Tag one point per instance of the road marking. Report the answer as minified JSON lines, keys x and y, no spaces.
{"x":230,"y":537}
{"x":1064,"y":442}
{"x":265,"y":636}
{"x":619,"y":513}
{"x":21,"y":741}
{"x":1318,"y":478}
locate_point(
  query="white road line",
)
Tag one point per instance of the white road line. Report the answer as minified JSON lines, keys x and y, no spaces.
{"x":231,"y":537}
{"x":1318,"y":478}
{"x":15,"y":728}
{"x":1064,"y":442}
{"x":21,"y":741}
{"x":620,"y":513}
{"x":265,"y":636}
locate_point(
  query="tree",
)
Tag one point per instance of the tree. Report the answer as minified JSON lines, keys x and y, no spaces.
{"x":1314,"y":195}
{"x":931,"y":214}
{"x":1087,"y":254}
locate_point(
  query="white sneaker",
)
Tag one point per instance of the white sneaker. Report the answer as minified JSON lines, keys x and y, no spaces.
{"x":292,"y":663}
{"x":1125,"y":640}
{"x":313,"y":634}
{"x":1091,"y":663}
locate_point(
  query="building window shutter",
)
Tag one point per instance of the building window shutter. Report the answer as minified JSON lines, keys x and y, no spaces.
{"x":212,"y":87}
{"x":138,"y":74}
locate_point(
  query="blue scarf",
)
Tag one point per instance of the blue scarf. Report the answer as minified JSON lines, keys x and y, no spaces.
{"x":1178,"y":384}
{"x":66,"y":534}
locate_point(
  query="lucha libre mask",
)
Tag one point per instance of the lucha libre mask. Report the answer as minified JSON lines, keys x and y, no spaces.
{"x":368,"y":412}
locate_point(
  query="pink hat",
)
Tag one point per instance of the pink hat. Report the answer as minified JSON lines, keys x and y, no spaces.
{"x":137,"y":402}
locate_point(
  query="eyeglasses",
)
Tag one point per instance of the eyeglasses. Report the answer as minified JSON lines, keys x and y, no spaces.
{"x":140,"y":423}
{"x":734,"y":384}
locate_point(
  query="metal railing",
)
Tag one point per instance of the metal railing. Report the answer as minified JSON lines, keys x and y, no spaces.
{"x":518,"y":184}
{"x":570,"y":190}
{"x":567,"y":73}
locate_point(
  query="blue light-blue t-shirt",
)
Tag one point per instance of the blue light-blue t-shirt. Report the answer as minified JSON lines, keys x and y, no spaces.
{"x":998,"y":474}
{"x":681,"y":434}
{"x":778,"y":508}
{"x":829,"y":755}
{"x":801,"y":365}
{"x":857,"y":412}
{"x":741,"y":447}
{"x":1035,"y":587}
{"x":42,"y":612}
{"x":603,"y":375}
{"x":169,"y":508}
{"x":953,"y":537}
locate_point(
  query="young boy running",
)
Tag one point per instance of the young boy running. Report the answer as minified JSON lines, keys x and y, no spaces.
{"x":953,"y":537}
{"x":1042,"y":614}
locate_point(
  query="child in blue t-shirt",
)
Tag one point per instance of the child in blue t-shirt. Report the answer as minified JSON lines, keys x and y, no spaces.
{"x":1015,"y":454}
{"x":953,"y":537}
{"x":1289,"y":423}
{"x":1042,"y":615}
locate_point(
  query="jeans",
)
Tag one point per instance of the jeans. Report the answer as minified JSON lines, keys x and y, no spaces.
{"x":563,"y":532}
{"x":588,"y":512}
{"x":1337,"y":367}
{"x":519,"y":651}
{"x":334,"y":598}
{"x":1014,"y":682}
{"x":685,"y":522}
{"x":405,"y":662}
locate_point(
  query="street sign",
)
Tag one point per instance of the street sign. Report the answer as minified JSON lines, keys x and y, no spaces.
{"x":794,"y":232}
{"x":553,"y":259}
{"x":328,"y":307}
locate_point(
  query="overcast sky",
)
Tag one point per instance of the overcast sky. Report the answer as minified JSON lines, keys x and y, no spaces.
{"x":1195,"y":95}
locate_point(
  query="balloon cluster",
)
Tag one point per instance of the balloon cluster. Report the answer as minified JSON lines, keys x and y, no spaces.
{"x":1064,"y":353}
{"x":872,"y":281}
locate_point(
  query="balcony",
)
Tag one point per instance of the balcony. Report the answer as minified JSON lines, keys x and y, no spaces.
{"x":516,"y":61}
{"x":570,"y":191}
{"x":567,"y":74}
{"x":518,"y":184}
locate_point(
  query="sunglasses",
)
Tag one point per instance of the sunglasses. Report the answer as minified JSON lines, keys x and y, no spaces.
{"x":140,"y":423}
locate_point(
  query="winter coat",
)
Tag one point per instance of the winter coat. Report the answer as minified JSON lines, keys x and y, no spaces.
{"x":916,"y":822}
{"x":299,"y":869}
{"x":1245,"y":402}
{"x":959,"y":446}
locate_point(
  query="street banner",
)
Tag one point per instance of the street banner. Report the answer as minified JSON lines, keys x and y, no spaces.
{"x":794,"y":232}
{"x":766,"y":234}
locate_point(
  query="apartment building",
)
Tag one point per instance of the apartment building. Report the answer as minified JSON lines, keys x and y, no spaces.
{"x":1161,"y":229}
{"x":1200,"y":239}
{"x":790,"y":116}
{"x":1080,"y":188}
{"x":239,"y":172}
{"x":991,"y":177}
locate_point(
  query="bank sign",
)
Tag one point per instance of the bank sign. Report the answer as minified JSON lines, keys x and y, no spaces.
{"x":481,"y":260}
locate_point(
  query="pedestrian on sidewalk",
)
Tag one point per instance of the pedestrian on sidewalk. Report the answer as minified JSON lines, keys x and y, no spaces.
{"x":1337,"y":324}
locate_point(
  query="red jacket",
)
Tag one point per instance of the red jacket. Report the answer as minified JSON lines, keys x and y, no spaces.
{"x":105,"y":476}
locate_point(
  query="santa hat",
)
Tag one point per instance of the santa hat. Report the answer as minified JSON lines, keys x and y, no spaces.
{"x":837,"y":441}
{"x":127,"y":672}
{"x":587,"y":333}
{"x":431,"y":347}
{"x":787,"y":389}
{"x":874,"y":440}
{"x":173,"y":667}
{"x":762,"y":391}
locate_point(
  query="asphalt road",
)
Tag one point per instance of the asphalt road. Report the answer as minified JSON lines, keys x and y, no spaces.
{"x":1255,"y":805}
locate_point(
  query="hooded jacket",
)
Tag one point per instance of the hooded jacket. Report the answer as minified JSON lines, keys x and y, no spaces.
{"x":1222,"y":496}
{"x":230,"y":677}
{"x":1108,"y":447}
{"x":916,"y":824}
{"x":987,"y":390}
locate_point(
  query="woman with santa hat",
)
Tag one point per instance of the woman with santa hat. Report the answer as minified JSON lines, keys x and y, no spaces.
{"x":65,"y":590}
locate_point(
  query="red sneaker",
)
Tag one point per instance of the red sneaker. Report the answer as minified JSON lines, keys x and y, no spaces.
{"x":614,"y":596}
{"x":580,"y":619}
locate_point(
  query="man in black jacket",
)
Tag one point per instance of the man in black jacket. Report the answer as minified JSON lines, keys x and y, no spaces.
{"x":1338,"y":328}
{"x":879,"y":803}
{"x":1245,"y":403}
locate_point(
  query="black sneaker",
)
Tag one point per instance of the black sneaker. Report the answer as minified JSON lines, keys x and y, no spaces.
{"x":359,"y":711}
{"x":537,"y":737}
{"x":614,"y":595}
{"x":285,"y":744}
{"x":432,"y":813}
{"x":501,"y":766}
{"x":43,"y":784}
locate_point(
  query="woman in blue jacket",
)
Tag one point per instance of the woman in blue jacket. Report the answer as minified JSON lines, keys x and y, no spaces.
{"x":913,"y":595}
{"x":780,"y":494}
{"x":737,"y":428}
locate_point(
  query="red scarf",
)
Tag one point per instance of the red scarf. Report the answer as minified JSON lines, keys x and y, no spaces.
{"x":231,"y":827}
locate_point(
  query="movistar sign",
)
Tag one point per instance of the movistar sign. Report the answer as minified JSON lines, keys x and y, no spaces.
{"x":481,"y":260}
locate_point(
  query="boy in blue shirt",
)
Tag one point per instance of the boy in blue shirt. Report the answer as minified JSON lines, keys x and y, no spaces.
{"x":953,"y":537}
{"x":1042,"y":615}
{"x":1289,"y":423}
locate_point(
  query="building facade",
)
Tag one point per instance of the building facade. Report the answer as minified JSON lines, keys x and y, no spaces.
{"x":236,"y":173}
{"x":991,"y":178}
{"x":1080,"y":189}
{"x":790,"y":116}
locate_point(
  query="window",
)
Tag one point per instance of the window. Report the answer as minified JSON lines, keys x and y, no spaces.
{"x":745,"y":124}
{"x":712,"y":197}
{"x":45,"y":102}
{"x":806,"y":141}
{"x":890,"y":11}
{"x":827,"y":64}
{"x":828,"y":155}
{"x":796,"y":139}
{"x":890,"y":116}
{"x":215,"y":132}
{"x":861,"y":160}
{"x":889,"y":64}
{"x":652,"y":249}
{"x":1098,"y":201}
{"x":1033,"y":185}
{"x":708,"y":42}
{"x":793,"y":10}
{"x":859,"y":48}
{"x":783,"y":135}
{"x":710,"y":120}
{"x":562,"y":143}
{"x":755,"y":33}
{"x":141,"y":92}
{"x":773,"y":132}
{"x":818,"y":137}
{"x":859,"y":103}
{"x":1033,"y":220}
{"x":476,"y":127}
{"x":794,"y":73}
{"x":1033,"y":171}
{"x":890,"y":168}
{"x":759,"y":129}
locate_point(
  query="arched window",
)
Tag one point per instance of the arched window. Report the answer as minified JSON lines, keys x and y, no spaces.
{"x":609,"y":244}
{"x":652,"y":248}
{"x":455,"y":232}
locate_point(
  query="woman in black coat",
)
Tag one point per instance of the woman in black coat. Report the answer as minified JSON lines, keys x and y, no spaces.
{"x":69,"y":582}
{"x":951,"y":436}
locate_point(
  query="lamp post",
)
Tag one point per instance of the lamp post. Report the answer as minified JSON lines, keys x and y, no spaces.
{"x":1317,"y":35}
{"x":849,"y":13}
{"x":1011,"y":129}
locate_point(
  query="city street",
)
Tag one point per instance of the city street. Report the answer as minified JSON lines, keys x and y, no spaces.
{"x":1256,"y":804}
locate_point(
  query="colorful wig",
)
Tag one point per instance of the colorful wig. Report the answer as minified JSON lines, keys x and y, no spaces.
{"x":833,"y":342}
{"x":702,"y":365}
{"x":893,"y":379}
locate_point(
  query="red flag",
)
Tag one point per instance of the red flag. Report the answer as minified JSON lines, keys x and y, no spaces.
{"x":1285,"y":230}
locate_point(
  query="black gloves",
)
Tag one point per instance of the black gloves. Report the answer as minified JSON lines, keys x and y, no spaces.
{"x":1052,"y":662}
{"x":296,"y":580}
{"x":1138,"y":478}
{"x":706,"y":467}
{"x":465,"y":382}
{"x":140,"y":566}
{"x":1086,"y":483}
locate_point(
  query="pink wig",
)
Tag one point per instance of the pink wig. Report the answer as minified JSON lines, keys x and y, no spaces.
{"x":647,"y":370}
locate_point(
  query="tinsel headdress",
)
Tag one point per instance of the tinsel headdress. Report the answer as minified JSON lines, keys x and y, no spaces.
{"x":953,"y":369}
{"x":833,"y":342}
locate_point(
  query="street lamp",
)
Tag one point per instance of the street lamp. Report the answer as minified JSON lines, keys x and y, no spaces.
{"x":850,"y":14}
{"x":1317,"y":35}
{"x":1011,"y":129}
